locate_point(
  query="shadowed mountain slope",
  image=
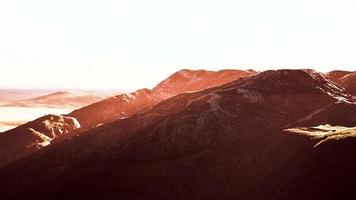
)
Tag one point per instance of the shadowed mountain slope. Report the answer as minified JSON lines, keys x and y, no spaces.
{"x":229,"y":142}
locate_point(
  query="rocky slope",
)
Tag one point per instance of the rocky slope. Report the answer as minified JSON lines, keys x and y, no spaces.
{"x":242,"y":140}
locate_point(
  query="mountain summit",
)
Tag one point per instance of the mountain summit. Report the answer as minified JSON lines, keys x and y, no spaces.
{"x":194,"y":80}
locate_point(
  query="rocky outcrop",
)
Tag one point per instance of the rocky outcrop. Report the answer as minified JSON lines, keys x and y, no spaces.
{"x":29,"y":138}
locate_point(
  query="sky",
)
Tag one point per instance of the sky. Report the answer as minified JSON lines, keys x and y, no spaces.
{"x":131,"y":44}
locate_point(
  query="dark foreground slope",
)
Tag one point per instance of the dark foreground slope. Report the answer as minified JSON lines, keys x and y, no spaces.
{"x":256,"y":138}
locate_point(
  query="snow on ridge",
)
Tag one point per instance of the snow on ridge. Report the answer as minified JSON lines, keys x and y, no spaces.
{"x":325,"y":132}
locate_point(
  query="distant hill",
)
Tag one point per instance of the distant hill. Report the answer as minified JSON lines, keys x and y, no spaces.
{"x":7,"y":95}
{"x":60,"y":99}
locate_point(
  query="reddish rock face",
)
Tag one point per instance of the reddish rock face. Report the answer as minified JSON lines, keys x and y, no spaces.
{"x":227,"y":142}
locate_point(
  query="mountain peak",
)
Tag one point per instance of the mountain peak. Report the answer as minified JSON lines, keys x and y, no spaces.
{"x":187,"y":80}
{"x":290,"y":80}
{"x":336,"y":75}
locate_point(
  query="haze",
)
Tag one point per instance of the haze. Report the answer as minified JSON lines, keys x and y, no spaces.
{"x":130,"y":44}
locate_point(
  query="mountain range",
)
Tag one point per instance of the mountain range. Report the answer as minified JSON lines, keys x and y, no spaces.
{"x":105,"y":111}
{"x":73,"y":99}
{"x":7,"y":95}
{"x":277,"y":134}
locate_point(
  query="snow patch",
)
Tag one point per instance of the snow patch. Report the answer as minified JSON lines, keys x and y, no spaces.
{"x":44,"y":140}
{"x":325,"y":132}
{"x":75,"y":122}
{"x":131,"y":96}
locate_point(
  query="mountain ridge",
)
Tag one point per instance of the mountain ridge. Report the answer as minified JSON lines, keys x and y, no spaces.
{"x":206,"y":144}
{"x":110,"y":109}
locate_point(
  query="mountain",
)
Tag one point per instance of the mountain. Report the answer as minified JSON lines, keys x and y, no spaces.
{"x":116,"y":107}
{"x":110,"y":109}
{"x":8,"y":95}
{"x":346,"y":79}
{"x":125,"y":105}
{"x":60,"y":99}
{"x":276,"y":135}
{"x":336,"y":75}
{"x":194,"y":80}
{"x":349,"y":82}
{"x":4,"y":96}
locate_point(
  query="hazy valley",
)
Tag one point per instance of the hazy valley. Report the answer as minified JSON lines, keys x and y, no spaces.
{"x":20,"y":106}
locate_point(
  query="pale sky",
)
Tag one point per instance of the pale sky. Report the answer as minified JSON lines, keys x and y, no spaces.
{"x":130,"y":44}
